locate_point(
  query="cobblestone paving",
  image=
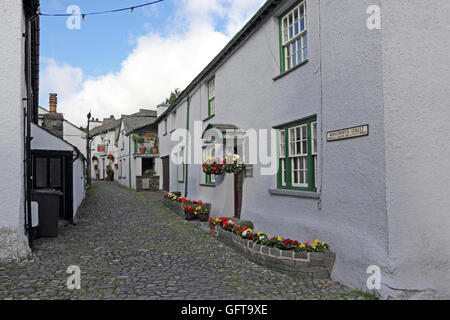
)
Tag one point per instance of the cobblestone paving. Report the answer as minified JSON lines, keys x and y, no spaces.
{"x":130,"y":246}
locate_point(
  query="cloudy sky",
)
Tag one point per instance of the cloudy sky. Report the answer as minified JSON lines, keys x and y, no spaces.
{"x":117,"y":63}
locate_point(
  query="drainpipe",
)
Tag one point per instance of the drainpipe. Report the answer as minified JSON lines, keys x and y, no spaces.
{"x":129,"y":161}
{"x":28,"y":114}
{"x":186,"y":166}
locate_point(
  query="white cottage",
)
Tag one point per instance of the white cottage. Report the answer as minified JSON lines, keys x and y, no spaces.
{"x":37,"y":160}
{"x":354,"y":114}
{"x":138,"y":150}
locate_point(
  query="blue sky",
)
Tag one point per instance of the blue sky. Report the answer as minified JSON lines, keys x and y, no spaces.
{"x":120,"y":62}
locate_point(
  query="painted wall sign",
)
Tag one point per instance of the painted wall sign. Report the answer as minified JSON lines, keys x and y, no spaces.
{"x":354,"y":132}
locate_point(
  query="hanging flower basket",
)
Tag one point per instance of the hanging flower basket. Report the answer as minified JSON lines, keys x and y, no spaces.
{"x":214,"y":166}
{"x":116,"y":165}
{"x":233,"y":164}
{"x":94,"y":158}
{"x":111,"y":157}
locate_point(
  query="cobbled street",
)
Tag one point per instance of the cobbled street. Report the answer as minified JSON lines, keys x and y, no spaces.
{"x":128,"y":245}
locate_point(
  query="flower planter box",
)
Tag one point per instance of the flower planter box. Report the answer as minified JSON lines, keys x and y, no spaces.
{"x":318,"y":265}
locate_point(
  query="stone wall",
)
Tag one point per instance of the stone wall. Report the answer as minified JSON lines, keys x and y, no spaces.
{"x":154,"y":183}
{"x":53,"y":122}
{"x":317,"y":265}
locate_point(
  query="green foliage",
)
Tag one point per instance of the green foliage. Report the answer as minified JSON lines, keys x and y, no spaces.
{"x":173,"y":96}
{"x":247,"y":224}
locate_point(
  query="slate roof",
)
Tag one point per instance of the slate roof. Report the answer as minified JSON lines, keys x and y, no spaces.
{"x":132,"y":122}
{"x":105,"y":127}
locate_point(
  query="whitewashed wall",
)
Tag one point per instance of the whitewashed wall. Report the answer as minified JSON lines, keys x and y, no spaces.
{"x":75,"y":136}
{"x":416,"y":96}
{"x":13,"y":243}
{"x":111,"y":148}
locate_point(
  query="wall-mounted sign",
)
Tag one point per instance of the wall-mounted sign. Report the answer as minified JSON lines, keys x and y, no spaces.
{"x":101,"y":148}
{"x":354,"y":132}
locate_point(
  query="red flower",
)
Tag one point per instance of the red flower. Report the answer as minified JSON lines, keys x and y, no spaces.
{"x":200,"y":202}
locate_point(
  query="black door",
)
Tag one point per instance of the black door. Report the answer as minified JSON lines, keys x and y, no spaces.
{"x":54,"y":170}
{"x":166,"y":173}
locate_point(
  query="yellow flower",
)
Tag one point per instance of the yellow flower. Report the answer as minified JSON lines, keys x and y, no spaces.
{"x":302,"y":245}
{"x":323,"y":243}
{"x":278,"y":238}
{"x":316,"y":241}
{"x":249,"y":230}
{"x":260,"y":234}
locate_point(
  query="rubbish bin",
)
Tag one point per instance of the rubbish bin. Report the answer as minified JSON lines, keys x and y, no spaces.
{"x":49,"y":201}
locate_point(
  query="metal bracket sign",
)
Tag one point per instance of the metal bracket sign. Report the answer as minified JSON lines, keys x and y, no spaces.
{"x":348,"y":133}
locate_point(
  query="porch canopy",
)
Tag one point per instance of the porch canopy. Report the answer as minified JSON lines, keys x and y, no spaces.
{"x":229,"y":136}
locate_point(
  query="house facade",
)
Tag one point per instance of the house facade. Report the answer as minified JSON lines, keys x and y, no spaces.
{"x":138,"y":150}
{"x":21,"y":66}
{"x":334,"y":105}
{"x":37,"y":161}
{"x":104,"y":148}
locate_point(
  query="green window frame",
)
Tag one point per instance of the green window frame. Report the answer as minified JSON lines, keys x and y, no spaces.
{"x":297,"y":156}
{"x":209,"y":179}
{"x":212,"y":97}
{"x":293,"y":37}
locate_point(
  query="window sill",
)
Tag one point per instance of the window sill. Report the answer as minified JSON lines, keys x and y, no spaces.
{"x":209,"y":118}
{"x":207,"y":185}
{"x":295,"y":193}
{"x":290,"y":70}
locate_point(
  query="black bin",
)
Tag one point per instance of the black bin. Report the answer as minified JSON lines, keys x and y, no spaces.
{"x":49,"y":201}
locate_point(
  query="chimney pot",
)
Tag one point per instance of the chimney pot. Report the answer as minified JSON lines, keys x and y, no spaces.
{"x":53,"y":102}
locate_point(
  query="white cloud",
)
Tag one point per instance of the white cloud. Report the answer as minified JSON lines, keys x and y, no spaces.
{"x":157,"y":64}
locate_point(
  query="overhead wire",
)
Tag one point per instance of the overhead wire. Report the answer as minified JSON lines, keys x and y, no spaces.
{"x":99,"y":12}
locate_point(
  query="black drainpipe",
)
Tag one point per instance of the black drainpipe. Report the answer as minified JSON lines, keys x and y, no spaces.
{"x":28,"y":115}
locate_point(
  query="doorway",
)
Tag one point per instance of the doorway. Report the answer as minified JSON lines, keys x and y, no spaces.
{"x":53,"y":170}
{"x":166,"y":173}
{"x":238,"y":187}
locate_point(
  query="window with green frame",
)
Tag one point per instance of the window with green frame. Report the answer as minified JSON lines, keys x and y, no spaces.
{"x":293,"y":37}
{"x":212,"y":97}
{"x":298,"y":155}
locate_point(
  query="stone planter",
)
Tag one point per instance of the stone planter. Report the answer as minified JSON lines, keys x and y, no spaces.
{"x":318,"y":265}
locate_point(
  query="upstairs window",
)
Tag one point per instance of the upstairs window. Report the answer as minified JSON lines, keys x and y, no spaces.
{"x":174,"y":120}
{"x":293,"y":37}
{"x":212,"y":97}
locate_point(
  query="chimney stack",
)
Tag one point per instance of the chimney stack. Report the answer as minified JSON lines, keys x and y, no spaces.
{"x":53,"y":102}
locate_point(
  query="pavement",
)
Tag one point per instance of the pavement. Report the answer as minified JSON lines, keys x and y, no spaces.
{"x":128,"y":245}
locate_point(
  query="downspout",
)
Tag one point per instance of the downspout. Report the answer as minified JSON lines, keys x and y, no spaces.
{"x":186,"y":166}
{"x":129,"y":161}
{"x":28,"y":138}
